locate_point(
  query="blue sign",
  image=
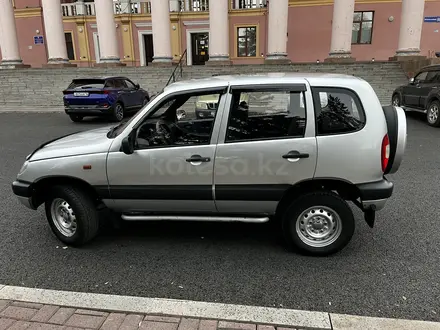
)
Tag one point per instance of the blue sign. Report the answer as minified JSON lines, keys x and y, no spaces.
{"x":432,"y":19}
{"x":38,"y":40}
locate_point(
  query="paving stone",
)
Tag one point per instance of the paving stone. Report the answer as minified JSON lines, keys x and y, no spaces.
{"x":208,"y":325}
{"x":4,"y":304}
{"x":265,"y":327}
{"x":131,"y":322}
{"x":44,"y":326}
{"x":26,"y":304}
{"x":153,"y":325}
{"x":113,"y":321}
{"x":85,"y":321}
{"x":20,"y":325}
{"x":45,"y":313}
{"x":168,"y":319}
{"x":90,"y":312}
{"x":189,"y":324}
{"x":6,"y":323}
{"x":20,"y":313}
{"x":62,"y":315}
{"x":223,"y":325}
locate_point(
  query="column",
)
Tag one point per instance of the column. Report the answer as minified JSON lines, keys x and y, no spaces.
{"x":219,"y":33}
{"x":9,"y":41}
{"x":411,"y":27}
{"x":160,"y":20}
{"x":277,"y":32}
{"x":342,"y":29}
{"x":108,"y":42}
{"x":54,"y":30}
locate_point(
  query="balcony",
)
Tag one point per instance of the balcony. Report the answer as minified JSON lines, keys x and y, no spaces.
{"x":81,"y":8}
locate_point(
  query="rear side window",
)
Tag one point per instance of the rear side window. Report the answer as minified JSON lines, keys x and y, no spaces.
{"x":337,"y":111}
{"x":87,"y":83}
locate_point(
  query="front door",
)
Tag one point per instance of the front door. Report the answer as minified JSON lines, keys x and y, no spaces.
{"x":264,"y":148}
{"x":199,"y":44}
{"x":412,"y":92}
{"x":171,"y":169}
{"x":148,"y":47}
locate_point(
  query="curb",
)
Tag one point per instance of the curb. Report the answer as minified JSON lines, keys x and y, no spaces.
{"x":206,"y":310}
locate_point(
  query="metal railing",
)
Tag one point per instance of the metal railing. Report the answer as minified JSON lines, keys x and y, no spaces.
{"x":178,"y":69}
{"x":80,"y":8}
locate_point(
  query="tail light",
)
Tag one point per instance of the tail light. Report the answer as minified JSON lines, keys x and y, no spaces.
{"x":385,"y":152}
{"x":67,"y":92}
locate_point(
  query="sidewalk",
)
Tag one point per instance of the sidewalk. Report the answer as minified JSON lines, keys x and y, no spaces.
{"x":31,"y":309}
{"x":30,"y":109}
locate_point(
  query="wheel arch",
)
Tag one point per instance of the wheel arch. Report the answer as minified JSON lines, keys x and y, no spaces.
{"x":345,"y":189}
{"x":42,"y":187}
{"x":430,"y":99}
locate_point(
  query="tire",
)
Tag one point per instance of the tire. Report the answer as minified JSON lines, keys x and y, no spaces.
{"x":433,"y":114}
{"x":332,"y":209}
{"x":75,"y":205}
{"x":118,"y":112}
{"x":396,"y":101}
{"x":76,"y":118}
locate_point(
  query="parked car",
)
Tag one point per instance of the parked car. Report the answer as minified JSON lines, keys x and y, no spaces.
{"x":206,"y":105}
{"x":421,"y":94}
{"x":303,"y":146}
{"x":112,"y":97}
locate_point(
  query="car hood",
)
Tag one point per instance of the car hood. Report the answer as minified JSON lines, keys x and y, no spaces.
{"x":81,"y":143}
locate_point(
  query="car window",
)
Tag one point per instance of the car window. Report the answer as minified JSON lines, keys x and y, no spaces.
{"x":87,"y":83}
{"x":110,"y":83}
{"x":119,"y":83}
{"x":129,"y":84}
{"x":264,"y":115}
{"x":431,"y":76}
{"x":180,"y":126}
{"x":337,"y":111}
{"x":421,"y":77}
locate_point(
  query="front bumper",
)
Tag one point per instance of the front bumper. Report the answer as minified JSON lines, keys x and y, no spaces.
{"x":24,"y":192}
{"x":204,"y":113}
{"x":374,"y":195}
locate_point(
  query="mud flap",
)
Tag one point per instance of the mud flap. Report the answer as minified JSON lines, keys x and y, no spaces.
{"x":370,"y":217}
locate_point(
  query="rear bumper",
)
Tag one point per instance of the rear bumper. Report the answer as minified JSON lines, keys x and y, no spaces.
{"x":72,"y":110}
{"x":374,"y":195}
{"x":23,"y":191}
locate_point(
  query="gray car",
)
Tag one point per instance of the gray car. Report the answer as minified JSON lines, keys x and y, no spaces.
{"x":296,"y":151}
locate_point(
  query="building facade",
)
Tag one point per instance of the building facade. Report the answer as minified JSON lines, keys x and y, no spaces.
{"x":140,"y":33}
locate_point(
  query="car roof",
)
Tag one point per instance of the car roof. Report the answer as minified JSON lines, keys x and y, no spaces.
{"x":313,"y":78}
{"x":430,"y":67}
{"x":101,"y":78}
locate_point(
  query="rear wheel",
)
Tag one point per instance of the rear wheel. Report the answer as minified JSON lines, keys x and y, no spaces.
{"x":396,"y":100}
{"x":72,"y":215}
{"x":433,"y":114}
{"x":76,"y":118}
{"x":118,"y":112}
{"x":319,"y":223}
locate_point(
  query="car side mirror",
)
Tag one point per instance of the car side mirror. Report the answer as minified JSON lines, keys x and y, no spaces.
{"x":411,"y":81}
{"x":181,"y":114}
{"x":137,"y":86}
{"x":128,"y":145}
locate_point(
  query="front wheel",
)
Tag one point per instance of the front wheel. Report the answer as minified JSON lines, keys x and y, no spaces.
{"x":72,"y":215}
{"x":319,"y":223}
{"x":432,"y":114}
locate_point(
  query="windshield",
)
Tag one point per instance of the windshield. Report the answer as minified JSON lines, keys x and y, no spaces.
{"x":115,"y":131}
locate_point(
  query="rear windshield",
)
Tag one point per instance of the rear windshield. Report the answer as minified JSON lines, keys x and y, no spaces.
{"x":87,"y":83}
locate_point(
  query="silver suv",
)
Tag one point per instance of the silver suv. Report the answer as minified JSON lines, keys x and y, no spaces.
{"x":296,"y":150}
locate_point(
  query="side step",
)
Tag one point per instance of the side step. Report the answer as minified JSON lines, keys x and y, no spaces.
{"x":414,"y":109}
{"x":130,"y":217}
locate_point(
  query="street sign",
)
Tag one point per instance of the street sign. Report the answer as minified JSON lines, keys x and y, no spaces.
{"x":38,"y":40}
{"x":432,"y":19}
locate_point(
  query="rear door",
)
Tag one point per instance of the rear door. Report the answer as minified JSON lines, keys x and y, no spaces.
{"x":266,"y":144}
{"x":431,"y":82}
{"x":124,"y":93}
{"x":136,"y":94}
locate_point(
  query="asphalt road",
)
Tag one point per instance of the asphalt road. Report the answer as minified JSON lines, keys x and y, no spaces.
{"x":391,"y":271}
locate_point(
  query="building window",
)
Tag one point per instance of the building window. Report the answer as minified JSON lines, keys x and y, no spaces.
{"x":247,"y":41}
{"x":362,"y":27}
{"x":69,"y":46}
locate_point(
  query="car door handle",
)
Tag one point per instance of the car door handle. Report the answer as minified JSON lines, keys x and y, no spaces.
{"x":295,"y":155}
{"x":198,"y":159}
